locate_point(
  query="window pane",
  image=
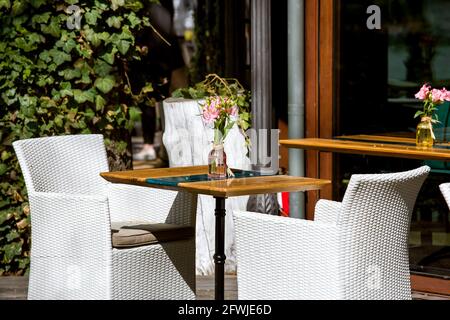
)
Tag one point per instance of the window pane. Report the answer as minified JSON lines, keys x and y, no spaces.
{"x":379,"y":71}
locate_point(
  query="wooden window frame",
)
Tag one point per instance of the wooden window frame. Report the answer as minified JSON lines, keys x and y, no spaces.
{"x":319,"y":95}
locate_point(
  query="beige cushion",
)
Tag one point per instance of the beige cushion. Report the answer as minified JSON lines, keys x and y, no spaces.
{"x":135,"y":234}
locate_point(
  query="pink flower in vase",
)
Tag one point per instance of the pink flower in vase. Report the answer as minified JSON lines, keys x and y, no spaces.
{"x":211,"y":110}
{"x":233,"y":111}
{"x":445,"y":94}
{"x":437,"y":96}
{"x":423,"y":93}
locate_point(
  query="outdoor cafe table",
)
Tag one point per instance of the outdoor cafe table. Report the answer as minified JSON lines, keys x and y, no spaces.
{"x":374,"y":145}
{"x":220,"y":190}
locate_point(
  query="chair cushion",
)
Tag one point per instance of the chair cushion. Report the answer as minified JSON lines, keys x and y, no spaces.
{"x":135,"y":234}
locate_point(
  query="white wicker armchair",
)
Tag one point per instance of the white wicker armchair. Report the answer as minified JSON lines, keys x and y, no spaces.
{"x":72,"y":209}
{"x":357,"y":249}
{"x":445,"y":190}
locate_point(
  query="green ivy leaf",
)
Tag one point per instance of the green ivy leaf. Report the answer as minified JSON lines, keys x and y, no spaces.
{"x":92,"y":16}
{"x":103,"y":36}
{"x":53,"y":28}
{"x":105,"y":84}
{"x":70,"y":74}
{"x":18,"y":7}
{"x":59,"y":57}
{"x":37,"y":3}
{"x":89,"y":114}
{"x":83,"y":96}
{"x":93,"y":37}
{"x":245,"y":116}
{"x":21,"y":43}
{"x":5,"y":4}
{"x":45,"y":56}
{"x":69,"y":45}
{"x":115,"y":4}
{"x":5,"y":155}
{"x":59,"y":120}
{"x":11,"y":250}
{"x":134,"y":20}
{"x":123,"y":46}
{"x":99,"y":102}
{"x":114,"y":21}
{"x":41,"y":18}
{"x":134,"y":5}
{"x":4,"y":216}
{"x":102,"y":68}
{"x":13,"y":235}
{"x":85,"y":76}
{"x":3,"y":168}
{"x":135,"y":114}
{"x":147,"y":88}
{"x":109,"y":57}
{"x":66,"y":89}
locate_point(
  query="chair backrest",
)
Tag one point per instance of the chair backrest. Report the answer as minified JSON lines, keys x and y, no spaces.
{"x":374,"y":230}
{"x":445,"y":190}
{"x":63,"y":164}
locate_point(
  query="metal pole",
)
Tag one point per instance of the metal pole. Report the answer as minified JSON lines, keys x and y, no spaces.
{"x":296,"y":99}
{"x":261,"y":65}
{"x":261,"y":61}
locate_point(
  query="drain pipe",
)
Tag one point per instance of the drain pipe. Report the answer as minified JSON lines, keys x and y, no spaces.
{"x":296,"y":99}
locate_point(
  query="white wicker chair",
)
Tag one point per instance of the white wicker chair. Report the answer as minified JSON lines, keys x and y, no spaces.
{"x":72,"y":209}
{"x":445,"y":190}
{"x":443,"y":252}
{"x":357,"y":249}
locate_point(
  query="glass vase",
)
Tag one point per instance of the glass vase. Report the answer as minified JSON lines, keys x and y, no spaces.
{"x":217,"y":162}
{"x":424,"y":133}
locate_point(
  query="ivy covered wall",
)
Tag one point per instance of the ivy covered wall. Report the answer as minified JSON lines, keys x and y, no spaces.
{"x":65,"y":68}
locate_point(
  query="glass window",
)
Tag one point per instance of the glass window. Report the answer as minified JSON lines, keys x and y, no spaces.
{"x":378,"y":73}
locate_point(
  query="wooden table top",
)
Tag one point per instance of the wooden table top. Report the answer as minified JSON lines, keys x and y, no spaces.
{"x":219,"y":188}
{"x":375,"y":145}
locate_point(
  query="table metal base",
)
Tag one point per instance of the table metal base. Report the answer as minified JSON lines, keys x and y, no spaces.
{"x":219,"y":256}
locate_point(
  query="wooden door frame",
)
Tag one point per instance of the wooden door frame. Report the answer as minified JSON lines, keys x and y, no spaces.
{"x":319,"y":95}
{"x":321,"y":91}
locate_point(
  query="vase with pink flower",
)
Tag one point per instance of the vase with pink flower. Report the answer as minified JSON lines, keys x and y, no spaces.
{"x":222,"y":113}
{"x":432,"y":99}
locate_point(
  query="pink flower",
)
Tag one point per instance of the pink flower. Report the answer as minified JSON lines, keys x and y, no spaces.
{"x":423,"y":93}
{"x":233,"y":111}
{"x":211,"y":110}
{"x":445,"y":94}
{"x":438,"y":96}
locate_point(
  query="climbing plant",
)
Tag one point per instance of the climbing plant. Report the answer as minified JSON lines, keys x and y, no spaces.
{"x":64,"y":69}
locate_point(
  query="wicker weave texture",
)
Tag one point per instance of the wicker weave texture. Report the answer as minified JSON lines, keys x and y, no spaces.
{"x":374,"y":230}
{"x":327,"y":211}
{"x":64,"y":164}
{"x":359,"y":251}
{"x":132,"y":203}
{"x":445,"y":190}
{"x":285,"y":259}
{"x":71,"y":209}
{"x":162,"y":272}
